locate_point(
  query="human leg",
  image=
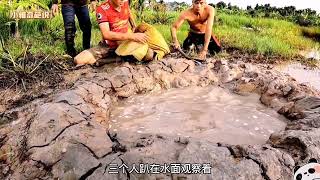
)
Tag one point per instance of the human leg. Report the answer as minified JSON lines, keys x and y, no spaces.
{"x":85,"y":25}
{"x":93,"y":55}
{"x":68,"y":13}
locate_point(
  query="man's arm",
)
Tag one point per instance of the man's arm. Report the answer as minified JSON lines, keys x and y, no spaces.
{"x":132,"y":21}
{"x":117,"y":36}
{"x":208,"y":32}
{"x":209,"y":28}
{"x":176,"y":25}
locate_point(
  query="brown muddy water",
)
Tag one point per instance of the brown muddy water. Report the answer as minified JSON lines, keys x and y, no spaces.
{"x":211,"y":114}
{"x":303,"y":74}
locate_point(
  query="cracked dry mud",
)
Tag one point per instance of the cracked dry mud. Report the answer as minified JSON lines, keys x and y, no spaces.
{"x":65,"y":136}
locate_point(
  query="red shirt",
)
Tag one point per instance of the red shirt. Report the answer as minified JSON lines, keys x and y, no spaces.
{"x":118,"y":21}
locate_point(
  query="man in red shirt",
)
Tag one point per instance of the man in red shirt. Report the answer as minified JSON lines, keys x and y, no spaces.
{"x":114,"y":18}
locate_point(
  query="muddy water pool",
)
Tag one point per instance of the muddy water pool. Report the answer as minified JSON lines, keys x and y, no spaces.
{"x":212,"y":114}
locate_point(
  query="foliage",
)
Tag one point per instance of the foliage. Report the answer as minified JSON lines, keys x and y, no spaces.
{"x":304,"y":17}
{"x":262,"y":35}
{"x":158,"y":17}
{"x":18,"y":63}
{"x":235,"y":28}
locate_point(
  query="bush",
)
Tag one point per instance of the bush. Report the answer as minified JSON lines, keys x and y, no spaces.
{"x":158,"y":17}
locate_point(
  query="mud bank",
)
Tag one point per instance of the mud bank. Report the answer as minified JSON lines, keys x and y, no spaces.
{"x":66,"y":134}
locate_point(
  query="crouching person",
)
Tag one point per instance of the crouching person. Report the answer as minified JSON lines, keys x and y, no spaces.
{"x":115,"y":23}
{"x":200,"y":18}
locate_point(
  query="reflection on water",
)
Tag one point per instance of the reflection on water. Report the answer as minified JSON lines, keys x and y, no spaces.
{"x":302,"y":74}
{"x":211,"y":114}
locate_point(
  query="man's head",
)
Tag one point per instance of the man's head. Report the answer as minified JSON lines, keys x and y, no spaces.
{"x":118,"y":3}
{"x":198,"y":5}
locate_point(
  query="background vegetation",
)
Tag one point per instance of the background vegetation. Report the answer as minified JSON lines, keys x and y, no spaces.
{"x":263,"y":29}
{"x":304,"y":17}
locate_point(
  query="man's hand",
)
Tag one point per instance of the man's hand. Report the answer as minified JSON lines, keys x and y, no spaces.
{"x":177,"y":45}
{"x":140,"y":37}
{"x":55,"y":9}
{"x":93,"y":6}
{"x":203,"y":54}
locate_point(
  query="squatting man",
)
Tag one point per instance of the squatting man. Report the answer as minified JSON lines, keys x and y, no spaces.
{"x":200,"y":18}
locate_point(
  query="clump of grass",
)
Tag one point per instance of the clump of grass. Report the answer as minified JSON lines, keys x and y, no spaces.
{"x":4,"y":25}
{"x":18,"y":67}
{"x":14,"y":63}
{"x":157,"y":17}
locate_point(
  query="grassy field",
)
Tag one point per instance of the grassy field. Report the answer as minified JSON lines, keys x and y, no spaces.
{"x":254,"y":35}
{"x":264,"y":36}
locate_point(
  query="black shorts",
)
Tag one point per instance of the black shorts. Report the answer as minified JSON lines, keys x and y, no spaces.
{"x":198,"y":40}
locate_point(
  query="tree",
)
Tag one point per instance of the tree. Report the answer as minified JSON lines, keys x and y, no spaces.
{"x":181,"y":6}
{"x":258,"y":7}
{"x":221,"y":5}
{"x":229,"y":6}
{"x":160,"y":6}
{"x":290,"y":10}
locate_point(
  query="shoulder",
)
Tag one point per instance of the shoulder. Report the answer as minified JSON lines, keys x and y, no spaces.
{"x":104,"y":6}
{"x":186,"y":13}
{"x":102,"y":12}
{"x":210,"y":9}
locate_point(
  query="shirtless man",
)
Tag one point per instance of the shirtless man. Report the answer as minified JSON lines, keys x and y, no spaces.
{"x":114,"y":17}
{"x":200,"y":18}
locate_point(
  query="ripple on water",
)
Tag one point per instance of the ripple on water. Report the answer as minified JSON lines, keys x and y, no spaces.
{"x":211,"y":114}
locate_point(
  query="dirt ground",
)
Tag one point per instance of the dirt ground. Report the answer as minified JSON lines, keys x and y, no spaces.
{"x":54,"y":74}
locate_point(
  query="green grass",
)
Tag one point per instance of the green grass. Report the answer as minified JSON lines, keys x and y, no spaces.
{"x":255,"y":35}
{"x":266,"y":36}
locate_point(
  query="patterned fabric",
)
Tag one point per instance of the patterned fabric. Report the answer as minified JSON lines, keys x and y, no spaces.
{"x":118,"y":19}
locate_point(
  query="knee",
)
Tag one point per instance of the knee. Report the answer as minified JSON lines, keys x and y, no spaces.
{"x":78,"y":60}
{"x":85,"y":57}
{"x":187,"y":44}
{"x":69,"y":25}
{"x":69,"y":29}
{"x":215,"y":48}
